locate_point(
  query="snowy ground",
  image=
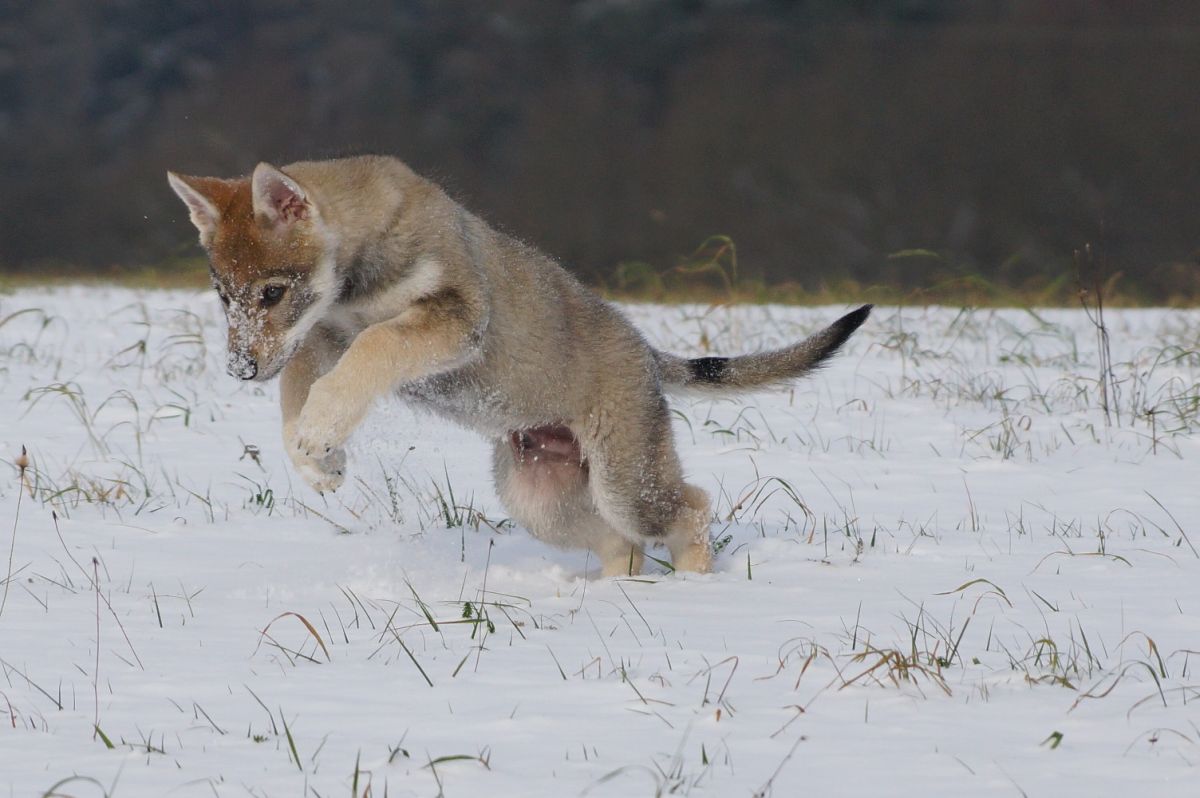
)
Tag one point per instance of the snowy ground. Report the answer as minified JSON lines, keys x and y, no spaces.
{"x":941,"y":573}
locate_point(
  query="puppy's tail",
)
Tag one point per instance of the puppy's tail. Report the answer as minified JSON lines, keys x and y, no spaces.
{"x":762,"y":369}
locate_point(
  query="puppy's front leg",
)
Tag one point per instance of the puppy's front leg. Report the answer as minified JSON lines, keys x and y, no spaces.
{"x":302,"y":370}
{"x":433,"y":335}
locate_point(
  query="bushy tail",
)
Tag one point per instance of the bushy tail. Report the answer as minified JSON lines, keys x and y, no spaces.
{"x":762,"y":369}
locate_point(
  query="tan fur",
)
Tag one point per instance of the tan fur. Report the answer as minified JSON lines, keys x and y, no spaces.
{"x":390,"y":287}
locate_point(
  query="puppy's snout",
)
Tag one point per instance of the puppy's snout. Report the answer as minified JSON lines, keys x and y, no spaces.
{"x":241,"y":366}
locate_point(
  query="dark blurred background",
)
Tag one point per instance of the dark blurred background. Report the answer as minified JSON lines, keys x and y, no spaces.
{"x":822,"y":136}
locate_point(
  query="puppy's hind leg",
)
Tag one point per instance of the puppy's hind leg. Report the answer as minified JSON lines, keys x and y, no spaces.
{"x":618,"y":555}
{"x":687,"y":537}
{"x":542,"y":482}
{"x":637,"y":484}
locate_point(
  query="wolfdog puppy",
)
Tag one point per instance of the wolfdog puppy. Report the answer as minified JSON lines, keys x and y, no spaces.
{"x":355,"y":278}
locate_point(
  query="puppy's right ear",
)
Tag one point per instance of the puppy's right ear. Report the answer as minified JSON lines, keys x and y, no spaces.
{"x":203,"y":212}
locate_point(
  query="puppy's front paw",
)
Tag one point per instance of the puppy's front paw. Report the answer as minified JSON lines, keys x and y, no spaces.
{"x":325,"y":421}
{"x":322,"y":473}
{"x":325,"y":472}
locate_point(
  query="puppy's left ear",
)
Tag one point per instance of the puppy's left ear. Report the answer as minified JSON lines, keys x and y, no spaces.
{"x":279,"y":199}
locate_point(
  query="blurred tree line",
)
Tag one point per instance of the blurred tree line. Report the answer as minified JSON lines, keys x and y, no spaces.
{"x":821,"y":135}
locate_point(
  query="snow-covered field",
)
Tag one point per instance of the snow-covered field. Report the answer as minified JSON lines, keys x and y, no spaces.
{"x":941,"y":573}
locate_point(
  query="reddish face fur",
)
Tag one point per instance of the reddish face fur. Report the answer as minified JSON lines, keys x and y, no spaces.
{"x":262,"y":264}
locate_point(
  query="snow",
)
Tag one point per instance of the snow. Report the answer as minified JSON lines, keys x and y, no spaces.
{"x":942,"y":572}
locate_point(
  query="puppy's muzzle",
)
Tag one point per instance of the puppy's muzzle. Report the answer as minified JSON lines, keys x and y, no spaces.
{"x":241,"y":366}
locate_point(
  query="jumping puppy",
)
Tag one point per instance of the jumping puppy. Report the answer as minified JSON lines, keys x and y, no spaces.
{"x":356,"y":278}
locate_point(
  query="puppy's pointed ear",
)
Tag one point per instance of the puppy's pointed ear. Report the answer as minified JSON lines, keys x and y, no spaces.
{"x":195,"y":193}
{"x":278,"y":199}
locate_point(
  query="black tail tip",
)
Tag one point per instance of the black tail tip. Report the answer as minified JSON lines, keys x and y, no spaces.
{"x":844,"y":327}
{"x":854,"y":319}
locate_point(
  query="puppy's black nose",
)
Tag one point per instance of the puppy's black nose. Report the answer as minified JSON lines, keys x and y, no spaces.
{"x":241,"y":366}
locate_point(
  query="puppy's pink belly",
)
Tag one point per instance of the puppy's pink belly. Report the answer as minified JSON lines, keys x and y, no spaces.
{"x":550,"y":445}
{"x":549,"y":462}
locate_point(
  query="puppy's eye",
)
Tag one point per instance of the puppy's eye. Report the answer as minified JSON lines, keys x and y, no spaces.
{"x":272,"y":294}
{"x":224,"y":299}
